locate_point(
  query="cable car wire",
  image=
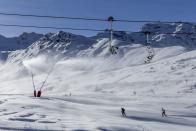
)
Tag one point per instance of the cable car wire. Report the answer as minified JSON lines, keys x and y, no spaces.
{"x":90,"y":29}
{"x":90,"y":19}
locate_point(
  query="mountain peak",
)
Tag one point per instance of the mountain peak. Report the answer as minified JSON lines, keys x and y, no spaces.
{"x":169,"y":27}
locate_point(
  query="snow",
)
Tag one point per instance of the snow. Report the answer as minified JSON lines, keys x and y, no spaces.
{"x":88,"y":86}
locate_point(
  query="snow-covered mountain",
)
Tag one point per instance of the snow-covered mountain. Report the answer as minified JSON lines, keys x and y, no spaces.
{"x":20,"y":42}
{"x":70,"y":45}
{"x":16,"y":43}
{"x":88,"y":85}
{"x":162,"y":40}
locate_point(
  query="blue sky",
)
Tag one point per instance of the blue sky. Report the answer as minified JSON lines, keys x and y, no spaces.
{"x":167,"y":10}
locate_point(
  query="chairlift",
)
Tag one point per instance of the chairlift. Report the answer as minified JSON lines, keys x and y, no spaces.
{"x":113,"y":50}
{"x":148,"y":48}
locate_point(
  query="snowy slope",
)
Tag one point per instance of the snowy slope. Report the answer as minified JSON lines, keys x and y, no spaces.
{"x":88,"y":85}
{"x":98,"y":90}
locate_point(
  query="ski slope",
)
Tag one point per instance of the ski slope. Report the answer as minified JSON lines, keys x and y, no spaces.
{"x":87,"y":94}
{"x":88,"y":86}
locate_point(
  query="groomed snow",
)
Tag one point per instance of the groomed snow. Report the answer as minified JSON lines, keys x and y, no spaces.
{"x":88,"y":93}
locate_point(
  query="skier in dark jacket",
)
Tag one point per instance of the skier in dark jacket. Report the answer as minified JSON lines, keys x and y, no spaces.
{"x":163,"y":113}
{"x":123,"y":112}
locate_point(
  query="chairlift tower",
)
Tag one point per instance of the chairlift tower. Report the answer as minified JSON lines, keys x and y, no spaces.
{"x":112,"y":49}
{"x":147,"y":33}
{"x":110,"y":20}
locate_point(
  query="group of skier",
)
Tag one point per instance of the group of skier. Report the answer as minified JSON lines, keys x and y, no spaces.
{"x":124,"y":114}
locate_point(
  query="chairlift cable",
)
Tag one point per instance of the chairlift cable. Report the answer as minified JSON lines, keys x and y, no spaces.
{"x":90,"y":19}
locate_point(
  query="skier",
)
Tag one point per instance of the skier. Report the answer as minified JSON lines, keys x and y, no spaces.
{"x":163,"y":113}
{"x":123,"y":112}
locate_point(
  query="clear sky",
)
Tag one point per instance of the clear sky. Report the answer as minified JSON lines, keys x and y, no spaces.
{"x":166,"y":10}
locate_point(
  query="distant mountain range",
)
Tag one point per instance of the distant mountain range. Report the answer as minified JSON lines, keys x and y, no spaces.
{"x":68,"y":45}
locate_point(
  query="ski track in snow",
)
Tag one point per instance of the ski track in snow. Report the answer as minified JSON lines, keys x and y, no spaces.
{"x":93,"y":113}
